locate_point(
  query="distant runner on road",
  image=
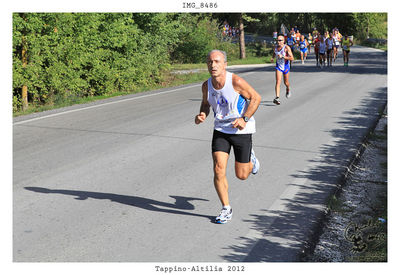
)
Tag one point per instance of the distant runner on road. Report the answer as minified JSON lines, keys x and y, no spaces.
{"x":303,"y":44}
{"x":346,"y":44}
{"x":337,"y":38}
{"x":291,"y":41}
{"x":234,"y":103}
{"x":321,"y":51}
{"x":316,"y":47}
{"x":283,"y":55}
{"x":329,"y":49}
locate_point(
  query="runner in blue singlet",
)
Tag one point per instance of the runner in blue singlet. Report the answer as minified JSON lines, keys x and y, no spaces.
{"x":283,"y":55}
{"x":303,"y":44}
{"x":291,"y":41}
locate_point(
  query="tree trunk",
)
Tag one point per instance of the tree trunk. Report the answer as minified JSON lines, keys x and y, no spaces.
{"x":242,"y":44}
{"x":24,"y":87}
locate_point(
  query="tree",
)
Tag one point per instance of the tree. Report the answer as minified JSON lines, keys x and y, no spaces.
{"x":242,"y":44}
{"x":241,"y":18}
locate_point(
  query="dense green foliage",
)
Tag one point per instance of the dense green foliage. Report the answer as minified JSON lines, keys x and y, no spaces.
{"x":77,"y":55}
{"x":360,"y":25}
{"x":80,"y":55}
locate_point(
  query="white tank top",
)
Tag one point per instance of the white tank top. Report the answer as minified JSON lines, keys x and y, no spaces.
{"x":336,"y":40}
{"x":228,"y":105}
{"x":281,"y":62}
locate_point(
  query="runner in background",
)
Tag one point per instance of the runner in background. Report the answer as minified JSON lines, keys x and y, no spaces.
{"x":329,"y":49}
{"x":290,"y":42}
{"x":298,"y":36}
{"x":275,"y":36}
{"x":310,"y":42}
{"x":316,"y":47}
{"x":315,"y":33}
{"x":321,"y":51}
{"x":338,"y":38}
{"x":346,"y":44}
{"x":303,"y":44}
{"x":283,"y":55}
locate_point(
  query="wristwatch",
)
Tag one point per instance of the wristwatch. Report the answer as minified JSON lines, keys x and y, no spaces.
{"x":246,"y":119}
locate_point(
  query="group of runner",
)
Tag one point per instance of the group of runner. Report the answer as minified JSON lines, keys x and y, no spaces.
{"x":295,"y":40}
{"x":326,"y":45}
{"x":326,"y":48}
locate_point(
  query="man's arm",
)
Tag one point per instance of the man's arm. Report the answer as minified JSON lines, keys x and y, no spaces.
{"x":273,"y":56}
{"x":242,"y":87}
{"x":289,"y":54}
{"x":205,"y":106}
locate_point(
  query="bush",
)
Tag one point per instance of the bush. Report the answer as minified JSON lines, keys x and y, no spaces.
{"x":81,"y":55}
{"x":198,"y":40}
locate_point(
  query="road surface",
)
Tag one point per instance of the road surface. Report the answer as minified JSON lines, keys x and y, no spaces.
{"x":130,"y":179}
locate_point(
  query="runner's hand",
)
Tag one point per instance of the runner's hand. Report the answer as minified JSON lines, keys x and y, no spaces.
{"x":239,"y":123}
{"x":200,"y":118}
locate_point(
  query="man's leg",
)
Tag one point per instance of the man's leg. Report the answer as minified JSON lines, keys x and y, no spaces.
{"x":245,"y":159}
{"x":243,"y":170}
{"x":278,"y":77}
{"x":286,"y":81}
{"x":220,"y":181}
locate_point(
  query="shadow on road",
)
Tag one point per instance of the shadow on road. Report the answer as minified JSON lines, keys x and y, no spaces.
{"x":293,"y":230}
{"x":181,"y":203}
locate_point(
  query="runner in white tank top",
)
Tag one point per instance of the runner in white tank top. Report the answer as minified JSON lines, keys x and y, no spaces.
{"x":283,"y":56}
{"x":234,"y":103}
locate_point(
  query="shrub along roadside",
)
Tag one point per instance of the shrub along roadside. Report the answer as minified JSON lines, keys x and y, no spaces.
{"x":62,"y":57}
{"x":170,"y":80}
{"x":68,"y":58}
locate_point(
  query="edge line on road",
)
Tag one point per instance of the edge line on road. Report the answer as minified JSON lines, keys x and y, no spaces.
{"x":103,"y":104}
{"x":109,"y":103}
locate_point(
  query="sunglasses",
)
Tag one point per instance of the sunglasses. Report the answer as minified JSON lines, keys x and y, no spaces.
{"x":281,"y":40}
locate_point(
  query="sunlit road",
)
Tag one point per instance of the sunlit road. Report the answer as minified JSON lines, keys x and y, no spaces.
{"x":130,"y":178}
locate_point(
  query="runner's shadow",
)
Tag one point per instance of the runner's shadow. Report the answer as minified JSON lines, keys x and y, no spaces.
{"x":267,"y":103}
{"x":181,"y":203}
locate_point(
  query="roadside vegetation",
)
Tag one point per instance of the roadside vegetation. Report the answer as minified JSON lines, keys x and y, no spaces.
{"x":60,"y":59}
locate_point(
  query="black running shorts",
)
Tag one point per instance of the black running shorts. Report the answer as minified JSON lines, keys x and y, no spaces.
{"x":241,"y":143}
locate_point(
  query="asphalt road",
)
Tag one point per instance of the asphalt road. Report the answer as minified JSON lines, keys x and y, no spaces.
{"x":130,"y":179}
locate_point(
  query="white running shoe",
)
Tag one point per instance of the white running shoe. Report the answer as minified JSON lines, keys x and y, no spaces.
{"x":256,"y":163}
{"x":288,"y":94}
{"x":224,"y":216}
